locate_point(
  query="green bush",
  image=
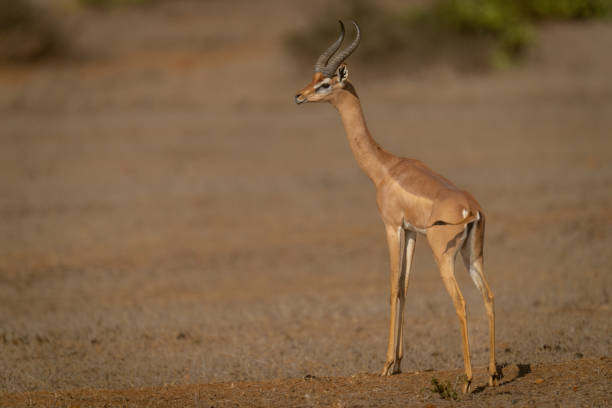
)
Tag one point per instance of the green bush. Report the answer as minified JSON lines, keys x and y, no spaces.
{"x":466,"y":33}
{"x":500,"y":21}
{"x":566,"y":9}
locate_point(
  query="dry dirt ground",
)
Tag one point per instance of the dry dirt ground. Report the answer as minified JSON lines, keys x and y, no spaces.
{"x":570,"y":384}
{"x":172,"y":226}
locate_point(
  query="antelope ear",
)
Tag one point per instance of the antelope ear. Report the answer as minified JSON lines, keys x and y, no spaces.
{"x":342,"y":73}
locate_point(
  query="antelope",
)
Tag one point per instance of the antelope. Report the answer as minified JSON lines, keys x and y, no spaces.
{"x":412,"y":199}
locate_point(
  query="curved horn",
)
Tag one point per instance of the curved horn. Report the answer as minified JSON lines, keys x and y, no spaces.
{"x":333,"y":64}
{"x":322,"y":61}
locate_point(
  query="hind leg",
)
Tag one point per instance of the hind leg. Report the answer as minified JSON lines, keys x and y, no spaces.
{"x":445,"y":242}
{"x":472,"y":254}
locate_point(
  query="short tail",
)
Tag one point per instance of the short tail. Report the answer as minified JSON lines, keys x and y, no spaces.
{"x":468,"y":219}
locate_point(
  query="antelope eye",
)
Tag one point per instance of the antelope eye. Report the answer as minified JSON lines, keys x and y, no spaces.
{"x":323,"y":87}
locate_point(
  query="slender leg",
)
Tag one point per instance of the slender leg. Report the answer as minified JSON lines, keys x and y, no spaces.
{"x":487,"y":295}
{"x":445,"y":258}
{"x":405,"y":267}
{"x":448,"y":277}
{"x":473,"y":259}
{"x":396,"y":242}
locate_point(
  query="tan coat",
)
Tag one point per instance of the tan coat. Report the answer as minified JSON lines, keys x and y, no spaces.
{"x":413,"y":199}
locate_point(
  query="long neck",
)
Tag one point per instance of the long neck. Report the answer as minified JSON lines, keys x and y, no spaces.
{"x":369,"y":155}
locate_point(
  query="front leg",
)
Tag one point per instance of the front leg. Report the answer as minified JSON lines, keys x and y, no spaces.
{"x":396,"y":242}
{"x":405,"y":267}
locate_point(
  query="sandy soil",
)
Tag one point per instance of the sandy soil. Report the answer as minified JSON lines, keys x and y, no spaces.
{"x":169,"y":217}
{"x":570,"y":384}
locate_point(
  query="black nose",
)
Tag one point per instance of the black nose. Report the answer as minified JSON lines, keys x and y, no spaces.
{"x":298,"y":100}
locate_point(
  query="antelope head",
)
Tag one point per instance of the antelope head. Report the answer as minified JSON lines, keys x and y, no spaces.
{"x":331,"y":74}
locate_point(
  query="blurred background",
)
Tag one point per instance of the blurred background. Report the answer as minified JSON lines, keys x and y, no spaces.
{"x":168,"y":215}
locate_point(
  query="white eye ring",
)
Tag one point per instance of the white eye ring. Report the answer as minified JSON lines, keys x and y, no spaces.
{"x":324,"y":87}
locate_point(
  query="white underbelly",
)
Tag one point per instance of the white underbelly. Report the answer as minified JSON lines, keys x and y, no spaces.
{"x":407,"y":226}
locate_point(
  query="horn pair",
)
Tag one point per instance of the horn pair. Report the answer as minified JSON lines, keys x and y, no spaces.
{"x":326,"y":64}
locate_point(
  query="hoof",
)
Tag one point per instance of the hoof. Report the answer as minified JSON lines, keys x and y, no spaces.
{"x":493,"y":382}
{"x":466,"y":387}
{"x":386,"y":371}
